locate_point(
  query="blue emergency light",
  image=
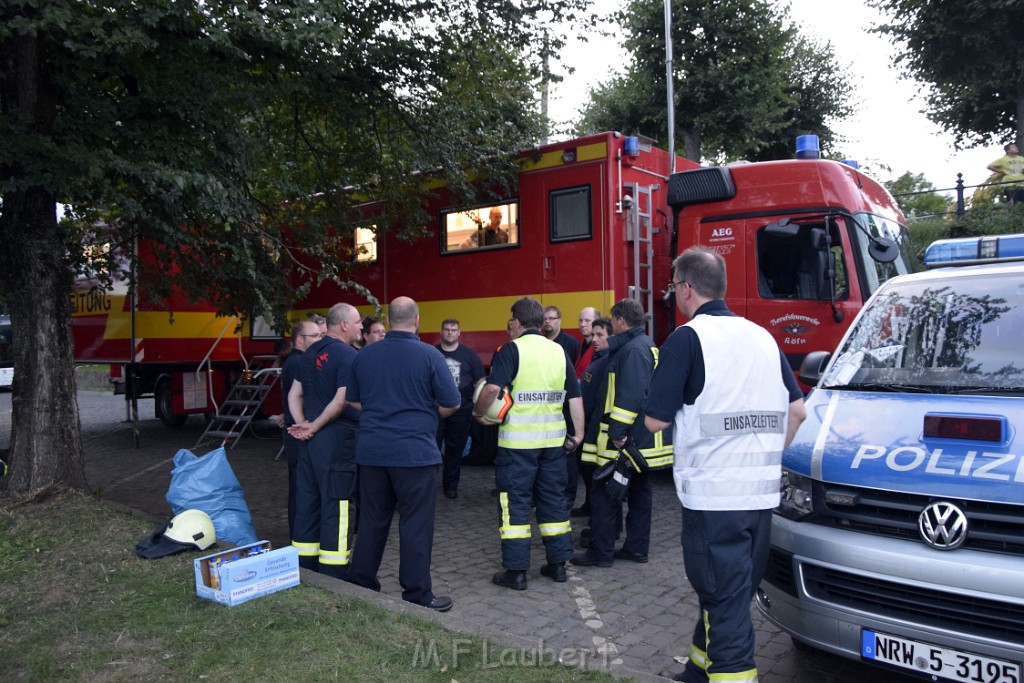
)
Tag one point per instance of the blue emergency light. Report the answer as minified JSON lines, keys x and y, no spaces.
{"x":964,"y":251}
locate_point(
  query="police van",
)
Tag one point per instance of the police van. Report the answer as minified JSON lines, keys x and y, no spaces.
{"x":900,"y":537}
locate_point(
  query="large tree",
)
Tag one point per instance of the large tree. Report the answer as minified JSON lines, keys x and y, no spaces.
{"x":916,"y":196}
{"x":969,"y":56}
{"x":201,"y":126}
{"x":746,"y":83}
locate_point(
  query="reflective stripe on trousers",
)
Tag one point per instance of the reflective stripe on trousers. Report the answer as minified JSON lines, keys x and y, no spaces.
{"x":343,"y":554}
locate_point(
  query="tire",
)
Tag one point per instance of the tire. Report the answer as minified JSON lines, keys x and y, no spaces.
{"x":162,"y":401}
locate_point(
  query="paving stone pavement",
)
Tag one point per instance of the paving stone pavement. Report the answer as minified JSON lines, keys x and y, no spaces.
{"x":632,"y":619}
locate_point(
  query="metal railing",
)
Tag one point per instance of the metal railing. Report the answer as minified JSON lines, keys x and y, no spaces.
{"x":961,"y":204}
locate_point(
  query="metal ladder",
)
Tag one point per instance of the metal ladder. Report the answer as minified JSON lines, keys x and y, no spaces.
{"x":242,"y":404}
{"x":640,"y":233}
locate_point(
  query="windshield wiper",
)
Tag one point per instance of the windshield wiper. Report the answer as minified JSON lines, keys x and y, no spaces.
{"x":886,"y":388}
{"x":986,"y":390}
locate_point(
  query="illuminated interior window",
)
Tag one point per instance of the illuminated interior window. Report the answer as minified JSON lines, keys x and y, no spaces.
{"x":483,"y":227}
{"x":366,"y":244}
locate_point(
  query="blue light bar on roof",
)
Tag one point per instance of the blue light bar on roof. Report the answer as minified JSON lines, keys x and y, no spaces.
{"x":964,"y":251}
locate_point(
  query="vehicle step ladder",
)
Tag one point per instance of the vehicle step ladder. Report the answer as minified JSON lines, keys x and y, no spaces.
{"x":242,"y":404}
{"x":640,"y":233}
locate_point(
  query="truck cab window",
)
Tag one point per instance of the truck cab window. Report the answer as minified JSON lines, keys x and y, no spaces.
{"x":796,"y":266}
{"x":481,"y":228}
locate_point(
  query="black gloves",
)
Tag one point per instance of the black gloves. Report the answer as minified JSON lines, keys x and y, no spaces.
{"x":618,"y":483}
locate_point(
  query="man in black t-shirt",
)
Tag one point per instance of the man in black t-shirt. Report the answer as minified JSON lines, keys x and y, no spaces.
{"x":452,"y":432}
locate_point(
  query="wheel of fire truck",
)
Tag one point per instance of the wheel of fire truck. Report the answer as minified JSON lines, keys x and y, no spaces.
{"x":162,"y":399}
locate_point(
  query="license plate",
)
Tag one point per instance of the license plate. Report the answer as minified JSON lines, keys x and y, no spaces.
{"x":937,"y":661}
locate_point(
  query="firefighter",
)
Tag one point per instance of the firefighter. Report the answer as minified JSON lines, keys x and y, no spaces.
{"x":305,"y":333}
{"x":631,"y":361}
{"x":325,"y":474}
{"x":726,"y":386}
{"x":532,"y":444}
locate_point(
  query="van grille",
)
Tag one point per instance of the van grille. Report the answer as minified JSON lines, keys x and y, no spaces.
{"x":915,"y":604}
{"x":992,"y":527}
{"x":779,"y":570}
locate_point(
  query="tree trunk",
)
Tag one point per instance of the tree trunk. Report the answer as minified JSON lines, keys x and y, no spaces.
{"x":1019,"y":139}
{"x":691,"y":142}
{"x":46,"y":436}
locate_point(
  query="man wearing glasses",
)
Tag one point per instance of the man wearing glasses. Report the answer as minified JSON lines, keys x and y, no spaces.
{"x":552,"y":329}
{"x":724,"y":384}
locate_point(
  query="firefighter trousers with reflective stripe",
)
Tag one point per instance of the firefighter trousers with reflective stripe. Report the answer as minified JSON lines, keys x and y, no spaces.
{"x":525,"y":477}
{"x":325,"y":491}
{"x":410,"y":491}
{"x":725,"y":553}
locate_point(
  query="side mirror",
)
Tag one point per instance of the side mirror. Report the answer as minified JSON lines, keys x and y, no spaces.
{"x":819,"y":239}
{"x":784,"y":228}
{"x":883,"y":250}
{"x":813,"y":366}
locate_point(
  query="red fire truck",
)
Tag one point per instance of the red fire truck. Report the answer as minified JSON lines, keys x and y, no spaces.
{"x":594,"y":220}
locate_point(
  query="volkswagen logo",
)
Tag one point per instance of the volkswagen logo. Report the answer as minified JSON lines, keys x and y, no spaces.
{"x":943,"y":525}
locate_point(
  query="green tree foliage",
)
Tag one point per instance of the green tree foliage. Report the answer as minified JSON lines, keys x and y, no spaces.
{"x":916,"y":196}
{"x":205,"y":127}
{"x":968,"y":55}
{"x":746,"y":83}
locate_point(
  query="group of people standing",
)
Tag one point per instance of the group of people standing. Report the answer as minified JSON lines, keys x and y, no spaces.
{"x":363,"y":434}
{"x":719,"y":382}
{"x":725,"y":389}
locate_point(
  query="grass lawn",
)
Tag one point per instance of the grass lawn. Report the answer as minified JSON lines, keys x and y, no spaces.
{"x":76,"y":604}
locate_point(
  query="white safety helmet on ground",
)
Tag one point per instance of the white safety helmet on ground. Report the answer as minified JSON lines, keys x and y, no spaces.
{"x":192,"y":527}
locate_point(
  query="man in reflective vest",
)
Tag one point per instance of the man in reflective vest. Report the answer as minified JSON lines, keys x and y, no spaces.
{"x":724,"y":383}
{"x":532,"y":444}
{"x":630,"y":364}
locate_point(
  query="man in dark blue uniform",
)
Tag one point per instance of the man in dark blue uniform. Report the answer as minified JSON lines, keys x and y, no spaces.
{"x":630,"y":365}
{"x":325,"y":474}
{"x":593,"y":386}
{"x":402,"y":385}
{"x":304,"y":335}
{"x":453,"y":431}
{"x":532,"y":445}
{"x":725,"y":385}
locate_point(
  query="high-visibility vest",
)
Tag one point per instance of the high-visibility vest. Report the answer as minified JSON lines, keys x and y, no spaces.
{"x":728,"y":444}
{"x":535,"y":419}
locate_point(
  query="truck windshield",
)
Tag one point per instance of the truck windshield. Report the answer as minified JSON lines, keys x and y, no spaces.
{"x":876,"y":273}
{"x":956,"y":335}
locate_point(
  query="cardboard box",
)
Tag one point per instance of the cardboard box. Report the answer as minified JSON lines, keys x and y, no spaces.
{"x":244,"y":576}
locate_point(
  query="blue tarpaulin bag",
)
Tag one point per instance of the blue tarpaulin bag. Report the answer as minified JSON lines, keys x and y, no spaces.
{"x":207,"y":483}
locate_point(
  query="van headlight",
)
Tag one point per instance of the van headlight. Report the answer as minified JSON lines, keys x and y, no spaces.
{"x":796,"y":496}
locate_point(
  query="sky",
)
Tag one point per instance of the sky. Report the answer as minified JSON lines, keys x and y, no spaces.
{"x":887,"y":128}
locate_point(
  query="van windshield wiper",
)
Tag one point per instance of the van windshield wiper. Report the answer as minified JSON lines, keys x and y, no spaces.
{"x":886,"y":388}
{"x":987,"y":390}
